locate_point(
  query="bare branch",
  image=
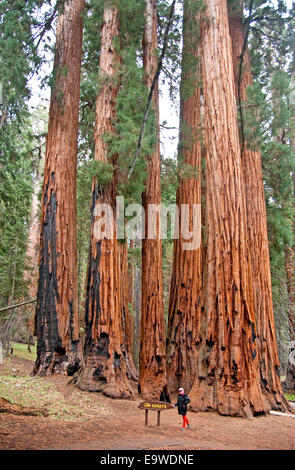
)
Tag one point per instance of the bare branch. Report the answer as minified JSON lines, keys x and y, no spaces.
{"x":10,"y":307}
{"x":154,"y":83}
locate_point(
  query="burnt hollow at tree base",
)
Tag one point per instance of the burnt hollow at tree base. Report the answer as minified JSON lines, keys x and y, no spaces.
{"x":104,"y":368}
{"x":117,"y":388}
{"x":150,"y":390}
{"x":57,"y":362}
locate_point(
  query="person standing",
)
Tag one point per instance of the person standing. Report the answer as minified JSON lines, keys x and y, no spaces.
{"x":182,"y":402}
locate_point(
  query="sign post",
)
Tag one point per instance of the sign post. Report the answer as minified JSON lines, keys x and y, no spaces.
{"x":154,"y":406}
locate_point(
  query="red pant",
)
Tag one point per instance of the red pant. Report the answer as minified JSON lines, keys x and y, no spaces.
{"x":185,"y":421}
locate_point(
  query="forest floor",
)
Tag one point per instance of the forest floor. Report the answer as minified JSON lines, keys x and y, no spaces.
{"x":90,"y":421}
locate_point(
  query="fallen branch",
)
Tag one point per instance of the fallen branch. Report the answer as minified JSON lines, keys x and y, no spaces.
{"x":7,"y":407}
{"x":279,"y":413}
{"x":10,"y":307}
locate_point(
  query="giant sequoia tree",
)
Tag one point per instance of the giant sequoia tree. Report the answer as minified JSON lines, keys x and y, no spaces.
{"x":104,"y":368}
{"x":56,"y":319}
{"x":227,"y":378}
{"x":152,"y":357}
{"x":185,"y":294}
{"x":256,"y":224}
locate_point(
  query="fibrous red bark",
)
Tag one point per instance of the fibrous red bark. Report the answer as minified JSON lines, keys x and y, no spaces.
{"x":152,"y":357}
{"x":56,"y":320}
{"x":227,"y":376}
{"x":257,"y":235}
{"x":186,"y":282}
{"x":104,"y":369}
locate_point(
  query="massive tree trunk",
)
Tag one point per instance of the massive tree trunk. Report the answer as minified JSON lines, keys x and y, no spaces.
{"x":56,"y":320}
{"x":186,"y":282}
{"x":152,"y":358}
{"x":227,"y":378}
{"x":257,"y":235}
{"x":104,"y":368}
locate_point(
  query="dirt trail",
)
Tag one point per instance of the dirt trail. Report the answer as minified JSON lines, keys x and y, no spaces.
{"x":124,"y":429}
{"x":121,"y":426}
{"x":209,"y":431}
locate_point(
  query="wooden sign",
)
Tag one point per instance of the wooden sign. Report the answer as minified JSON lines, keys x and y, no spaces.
{"x":154,"y":406}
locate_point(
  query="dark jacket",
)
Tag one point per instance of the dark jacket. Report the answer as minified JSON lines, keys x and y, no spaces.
{"x":182,"y":402}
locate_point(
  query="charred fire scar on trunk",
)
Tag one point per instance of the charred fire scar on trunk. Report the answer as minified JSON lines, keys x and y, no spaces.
{"x":209,"y":342}
{"x":117,"y":361}
{"x":235,"y":371}
{"x":165,"y":395}
{"x":253,"y":332}
{"x":102,"y":349}
{"x":46,"y":320}
{"x":92,"y":304}
{"x":98,"y":374}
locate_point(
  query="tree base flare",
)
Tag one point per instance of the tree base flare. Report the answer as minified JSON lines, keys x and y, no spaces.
{"x":234,"y":402}
{"x":117,"y":388}
{"x":277,"y":401}
{"x":57,"y":362}
{"x":150,"y":390}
